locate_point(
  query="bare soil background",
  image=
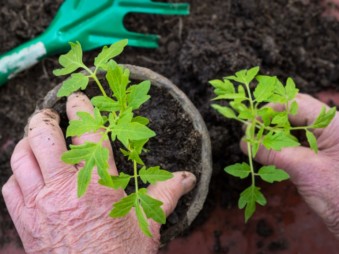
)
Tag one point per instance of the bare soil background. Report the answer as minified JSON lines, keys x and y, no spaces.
{"x":219,"y":37}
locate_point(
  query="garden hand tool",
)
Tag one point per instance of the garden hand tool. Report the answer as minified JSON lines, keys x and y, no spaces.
{"x":92,"y":23}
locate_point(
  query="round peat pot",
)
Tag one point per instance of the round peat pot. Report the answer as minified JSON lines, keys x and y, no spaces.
{"x":182,"y":141}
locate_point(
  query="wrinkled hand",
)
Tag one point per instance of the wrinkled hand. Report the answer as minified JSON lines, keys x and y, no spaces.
{"x":42,"y":201}
{"x":315,"y":175}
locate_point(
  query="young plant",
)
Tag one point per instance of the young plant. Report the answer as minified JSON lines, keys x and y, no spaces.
{"x":114,"y":117}
{"x":264,"y":125}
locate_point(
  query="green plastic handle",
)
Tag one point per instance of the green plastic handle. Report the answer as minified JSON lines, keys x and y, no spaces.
{"x":27,"y":55}
{"x":92,"y":23}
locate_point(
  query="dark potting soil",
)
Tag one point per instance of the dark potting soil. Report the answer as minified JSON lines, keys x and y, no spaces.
{"x":219,"y":37}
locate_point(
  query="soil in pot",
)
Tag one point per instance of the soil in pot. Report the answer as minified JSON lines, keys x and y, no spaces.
{"x":219,"y":37}
{"x":181,"y":144}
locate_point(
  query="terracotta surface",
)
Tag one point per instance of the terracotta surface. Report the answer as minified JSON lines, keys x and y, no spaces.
{"x":285,"y":225}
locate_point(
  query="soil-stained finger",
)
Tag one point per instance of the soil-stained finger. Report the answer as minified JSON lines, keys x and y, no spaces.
{"x":48,"y":144}
{"x":27,"y":172}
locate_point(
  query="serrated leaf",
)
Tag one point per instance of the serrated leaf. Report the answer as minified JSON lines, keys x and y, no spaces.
{"x":154,"y":174}
{"x":131,"y":131}
{"x":312,"y":141}
{"x":122,"y":207}
{"x":118,"y":79}
{"x":239,"y":170}
{"x":246,"y":114}
{"x":225,"y":111}
{"x":74,"y":83}
{"x":222,"y":87}
{"x":238,"y":106}
{"x":152,"y":207}
{"x":104,"y":103}
{"x":266,"y":114}
{"x":110,"y":52}
{"x":281,"y":119}
{"x":272,"y":174}
{"x":324,"y":118}
{"x":248,"y":198}
{"x":252,"y":73}
{"x":94,"y":155}
{"x":277,"y":141}
{"x":125,"y":117}
{"x":143,"y":223}
{"x":138,"y":94}
{"x":294,"y":108}
{"x":140,"y":119}
{"x":70,"y":61}
{"x":120,"y":181}
{"x":138,"y":145}
{"x":86,"y":123}
{"x":291,"y":90}
{"x":230,"y":96}
{"x":135,"y":156}
{"x":265,"y":88}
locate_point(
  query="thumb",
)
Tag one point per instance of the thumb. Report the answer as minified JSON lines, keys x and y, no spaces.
{"x":170,"y":191}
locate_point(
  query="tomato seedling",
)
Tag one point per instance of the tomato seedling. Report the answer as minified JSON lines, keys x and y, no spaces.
{"x":114,"y":117}
{"x":264,"y":125}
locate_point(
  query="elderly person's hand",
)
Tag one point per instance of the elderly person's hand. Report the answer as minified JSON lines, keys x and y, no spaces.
{"x":42,"y":200}
{"x":315,"y":175}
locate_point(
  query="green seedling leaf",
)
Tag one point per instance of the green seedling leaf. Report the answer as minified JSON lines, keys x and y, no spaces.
{"x":140,"y":119}
{"x":248,"y":198}
{"x":222,"y":87}
{"x":143,"y":223}
{"x":121,"y":181}
{"x":272,"y":174}
{"x":238,"y":106}
{"x":225,"y":111}
{"x":154,"y":174}
{"x":104,"y":103}
{"x":244,"y":76}
{"x":291,"y":90}
{"x":152,"y":207}
{"x":110,"y":52}
{"x":252,"y":73}
{"x":86,"y":123}
{"x":312,"y":141}
{"x":294,"y":108}
{"x":94,"y":155}
{"x":133,"y":155}
{"x":237,"y":96}
{"x":76,"y":82}
{"x":118,"y":79}
{"x":122,"y":207}
{"x":70,"y":61}
{"x":281,"y":120}
{"x":265,"y":89}
{"x":266,"y":114}
{"x":125,"y":117}
{"x":138,"y":94}
{"x":324,"y":118}
{"x":277,"y":141}
{"x":131,"y":131}
{"x":246,"y":114}
{"x":241,"y":170}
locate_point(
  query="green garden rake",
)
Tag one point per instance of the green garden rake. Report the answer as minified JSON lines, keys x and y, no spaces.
{"x":92,"y":23}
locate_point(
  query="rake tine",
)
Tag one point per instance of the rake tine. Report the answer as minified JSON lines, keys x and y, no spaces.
{"x":155,"y":8}
{"x":134,"y":39}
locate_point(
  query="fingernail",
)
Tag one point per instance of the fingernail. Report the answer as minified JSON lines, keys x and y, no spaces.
{"x":188,"y":180}
{"x":75,"y":95}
